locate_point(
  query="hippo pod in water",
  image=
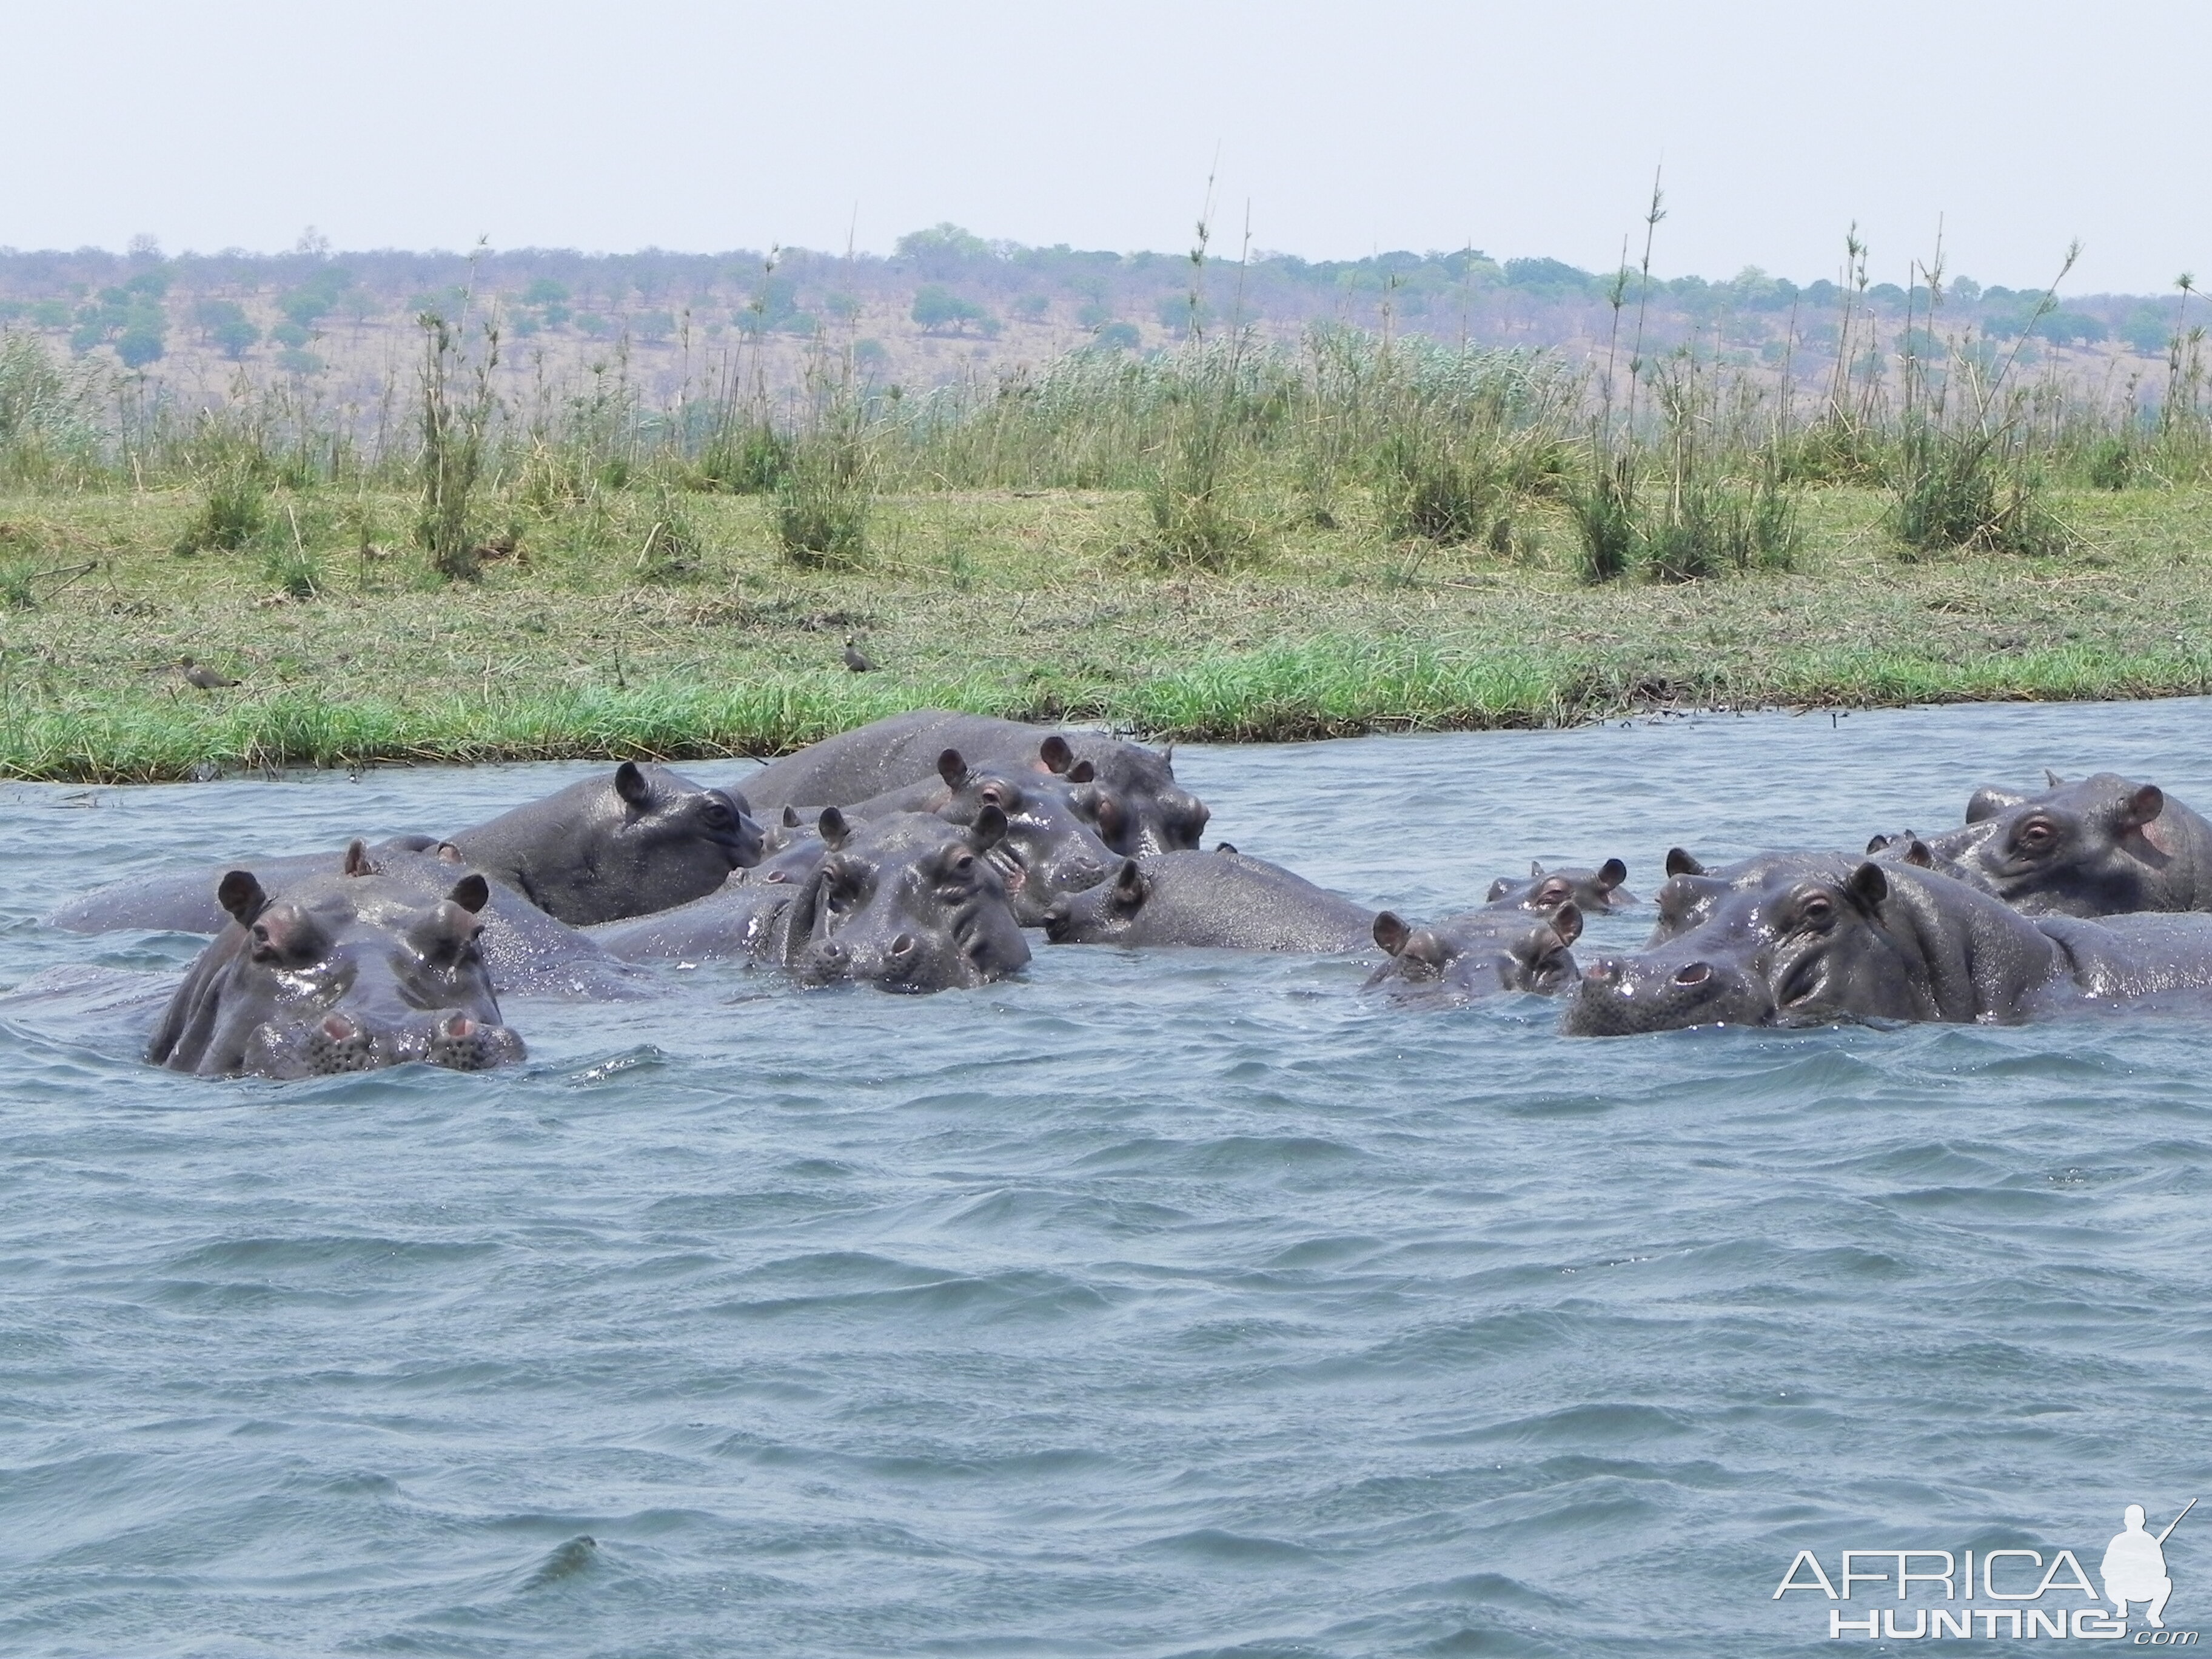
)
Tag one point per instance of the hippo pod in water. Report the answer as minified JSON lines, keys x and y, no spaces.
{"x":1807,"y":946}
{"x":1478,"y":954}
{"x":345,"y":972}
{"x":1593,"y":892}
{"x":908,"y":903}
{"x":1226,"y":899}
{"x":640,"y":839}
{"x":1130,"y":796}
{"x":2102,"y":847}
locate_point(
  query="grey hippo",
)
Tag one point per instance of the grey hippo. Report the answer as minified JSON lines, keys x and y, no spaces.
{"x":1130,"y":796}
{"x":640,"y":839}
{"x":1807,"y":946}
{"x":1226,"y":899}
{"x":907,"y":903}
{"x":1478,"y":954}
{"x":346,"y":972}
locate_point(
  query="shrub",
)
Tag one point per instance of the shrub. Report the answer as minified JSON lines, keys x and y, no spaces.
{"x":937,"y":308}
{"x":225,"y":324}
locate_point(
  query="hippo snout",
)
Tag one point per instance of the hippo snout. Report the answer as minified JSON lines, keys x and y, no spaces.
{"x":1620,"y":996}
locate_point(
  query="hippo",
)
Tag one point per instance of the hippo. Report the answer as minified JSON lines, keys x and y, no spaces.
{"x":907,"y":902}
{"x":1597,"y":891}
{"x":346,"y":972}
{"x":2101,"y":846}
{"x":1131,"y":796}
{"x":1477,"y":954}
{"x":642,"y":839}
{"x":1807,"y":946}
{"x":1687,"y":898}
{"x":1050,"y":849}
{"x":645,"y":839}
{"x":1226,"y":899}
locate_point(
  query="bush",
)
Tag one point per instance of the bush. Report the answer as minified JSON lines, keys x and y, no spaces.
{"x":234,"y":509}
{"x":225,"y":324}
{"x":937,"y":308}
{"x":1118,"y":337}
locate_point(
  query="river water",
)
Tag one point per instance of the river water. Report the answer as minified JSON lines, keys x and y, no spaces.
{"x":1155,"y":1303}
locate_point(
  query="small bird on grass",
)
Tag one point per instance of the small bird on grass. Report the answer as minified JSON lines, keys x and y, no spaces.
{"x":199,"y":674}
{"x":857,"y":659}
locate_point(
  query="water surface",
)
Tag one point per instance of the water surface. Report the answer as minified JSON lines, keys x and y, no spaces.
{"x":1157,"y":1303}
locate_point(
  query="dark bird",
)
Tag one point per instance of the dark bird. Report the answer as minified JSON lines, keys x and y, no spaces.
{"x":857,"y":659}
{"x":199,"y":674}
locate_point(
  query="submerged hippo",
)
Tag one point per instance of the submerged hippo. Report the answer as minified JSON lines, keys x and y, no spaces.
{"x":1226,"y":899}
{"x":1882,"y":941}
{"x":1049,"y":850}
{"x":1593,"y":892}
{"x":1131,"y":796}
{"x":2101,"y":846}
{"x":640,"y":839}
{"x":344,"y":973}
{"x":1478,"y":954}
{"x":908,"y":903}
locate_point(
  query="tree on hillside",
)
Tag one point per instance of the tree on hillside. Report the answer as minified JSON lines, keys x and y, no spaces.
{"x":942,"y":249}
{"x":225,"y":325}
{"x":938,"y":307}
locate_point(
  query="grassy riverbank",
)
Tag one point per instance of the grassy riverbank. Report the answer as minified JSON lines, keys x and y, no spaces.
{"x":592,"y":640}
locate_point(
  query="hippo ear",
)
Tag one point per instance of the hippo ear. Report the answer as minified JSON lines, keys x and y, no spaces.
{"x":1391,"y":931}
{"x":790,"y":818}
{"x":1918,"y":853}
{"x":1536,"y":869}
{"x":239,"y":894}
{"x":1611,"y":874}
{"x":2146,"y":804}
{"x":1868,"y":887}
{"x":2052,"y":778}
{"x":448,"y":854}
{"x":1498,"y":890}
{"x":356,"y":860}
{"x":1082,"y":771}
{"x":1680,"y":863}
{"x":472,"y":892}
{"x":953,"y":768}
{"x":833,"y":827}
{"x":1988,"y":801}
{"x":989,"y":829}
{"x":631,"y":785}
{"x":1567,"y":922}
{"x":1130,"y":886}
{"x":1876,"y":843}
{"x":1224,"y":846}
{"x":1055,"y":754}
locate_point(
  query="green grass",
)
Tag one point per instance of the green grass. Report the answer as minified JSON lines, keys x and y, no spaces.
{"x":1038,"y":604}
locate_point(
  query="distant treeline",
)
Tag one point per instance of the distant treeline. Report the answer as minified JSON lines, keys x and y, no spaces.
{"x":946,"y":282}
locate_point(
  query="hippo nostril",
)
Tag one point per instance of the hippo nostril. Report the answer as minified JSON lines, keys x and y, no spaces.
{"x":1696,"y":974}
{"x":460,"y":1027}
{"x":1604,"y":967}
{"x":904,"y":945}
{"x":338,"y":1029}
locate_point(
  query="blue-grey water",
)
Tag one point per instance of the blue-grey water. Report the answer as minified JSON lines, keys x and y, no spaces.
{"x":1155,"y":1303}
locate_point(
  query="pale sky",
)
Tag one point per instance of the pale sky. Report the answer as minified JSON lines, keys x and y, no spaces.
{"x":1344,"y":130}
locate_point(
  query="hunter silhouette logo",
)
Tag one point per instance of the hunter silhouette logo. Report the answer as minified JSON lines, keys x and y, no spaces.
{"x":2134,"y":1568}
{"x":2035,"y":1593}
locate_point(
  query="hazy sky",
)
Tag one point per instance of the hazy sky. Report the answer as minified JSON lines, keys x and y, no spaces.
{"x":1348,"y":129}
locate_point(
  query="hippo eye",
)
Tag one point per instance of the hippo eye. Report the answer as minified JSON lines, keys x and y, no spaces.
{"x":1819,"y":911}
{"x":994,"y":796}
{"x":719,"y":817}
{"x":2035,"y":836}
{"x":963,"y":863}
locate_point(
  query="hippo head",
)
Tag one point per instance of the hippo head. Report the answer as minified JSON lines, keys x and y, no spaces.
{"x":1049,"y":849}
{"x":2100,"y":847}
{"x":1103,"y":914}
{"x":342,"y":973}
{"x":1685,"y":899}
{"x":1129,"y":796}
{"x":1598,"y":891}
{"x":675,"y":834}
{"x":907,"y":903}
{"x":1801,"y":948}
{"x":1478,"y":954}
